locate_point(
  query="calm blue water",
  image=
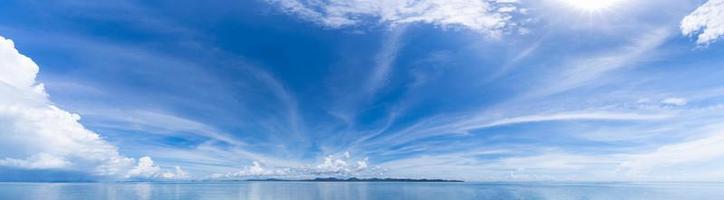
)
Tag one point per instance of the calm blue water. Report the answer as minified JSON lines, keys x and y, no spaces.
{"x":355,"y":191}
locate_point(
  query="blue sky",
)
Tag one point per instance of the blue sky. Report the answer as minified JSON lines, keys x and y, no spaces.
{"x":463,"y":89}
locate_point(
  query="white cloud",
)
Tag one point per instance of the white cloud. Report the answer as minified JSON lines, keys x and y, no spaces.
{"x":548,"y":165}
{"x":336,"y":166}
{"x":155,"y":122}
{"x":463,"y":124}
{"x":146,"y":169}
{"x":38,"y":135}
{"x":256,"y":169}
{"x":37,"y":161}
{"x":674,"y":101}
{"x":584,"y":71}
{"x":178,"y":173}
{"x":706,"y":22}
{"x":384,"y":60}
{"x":700,"y":158}
{"x":599,"y":116}
{"x":485,"y":16}
{"x":686,"y":157}
{"x":333,"y":165}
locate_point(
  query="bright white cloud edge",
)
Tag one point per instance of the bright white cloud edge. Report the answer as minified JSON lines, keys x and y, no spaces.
{"x":342,"y":165}
{"x":37,"y":135}
{"x":706,"y":23}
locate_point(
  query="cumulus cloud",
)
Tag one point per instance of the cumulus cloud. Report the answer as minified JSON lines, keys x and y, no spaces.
{"x":256,"y":169}
{"x":146,"y":169}
{"x":706,"y":22}
{"x":335,"y":166}
{"x":38,"y":135}
{"x":491,"y":17}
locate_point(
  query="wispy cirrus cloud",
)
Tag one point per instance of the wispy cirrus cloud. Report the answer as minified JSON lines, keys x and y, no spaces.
{"x":385,"y":60}
{"x":584,"y":70}
{"x":490,"y":17}
{"x":156,"y":122}
{"x":575,"y":73}
{"x":143,"y":113}
{"x":466,"y":123}
{"x":689,"y":150}
{"x":700,"y":158}
{"x":211,"y":114}
{"x":702,"y":151}
{"x":594,"y":116}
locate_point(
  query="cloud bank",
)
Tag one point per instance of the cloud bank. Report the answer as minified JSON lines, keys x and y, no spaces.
{"x":37,"y":135}
{"x":331,"y":166}
{"x":491,"y":17}
{"x":706,"y":22}
{"x":146,"y":169}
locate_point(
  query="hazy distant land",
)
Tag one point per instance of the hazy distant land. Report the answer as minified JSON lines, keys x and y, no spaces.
{"x":354,"y":179}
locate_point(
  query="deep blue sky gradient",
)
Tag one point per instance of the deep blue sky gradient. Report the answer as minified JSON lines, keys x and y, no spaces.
{"x":161,"y":78}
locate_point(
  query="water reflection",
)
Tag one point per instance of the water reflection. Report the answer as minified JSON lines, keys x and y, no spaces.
{"x":143,"y":191}
{"x":254,"y":191}
{"x":353,"y":191}
{"x":46,"y":191}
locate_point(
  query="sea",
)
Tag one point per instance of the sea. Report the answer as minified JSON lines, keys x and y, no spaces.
{"x":358,"y":191}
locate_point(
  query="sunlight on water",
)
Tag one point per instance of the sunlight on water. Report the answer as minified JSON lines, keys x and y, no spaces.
{"x":354,"y":191}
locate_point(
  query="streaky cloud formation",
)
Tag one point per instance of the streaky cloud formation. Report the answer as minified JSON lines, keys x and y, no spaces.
{"x":581,"y":71}
{"x":697,"y":154}
{"x":156,"y":122}
{"x":176,"y":90}
{"x":600,"y":116}
{"x":706,"y":23}
{"x":490,"y":17}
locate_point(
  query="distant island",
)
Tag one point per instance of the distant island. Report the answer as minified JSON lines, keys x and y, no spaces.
{"x":354,"y":179}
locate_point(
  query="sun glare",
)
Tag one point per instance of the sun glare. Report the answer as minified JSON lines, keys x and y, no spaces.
{"x":591,"y":5}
